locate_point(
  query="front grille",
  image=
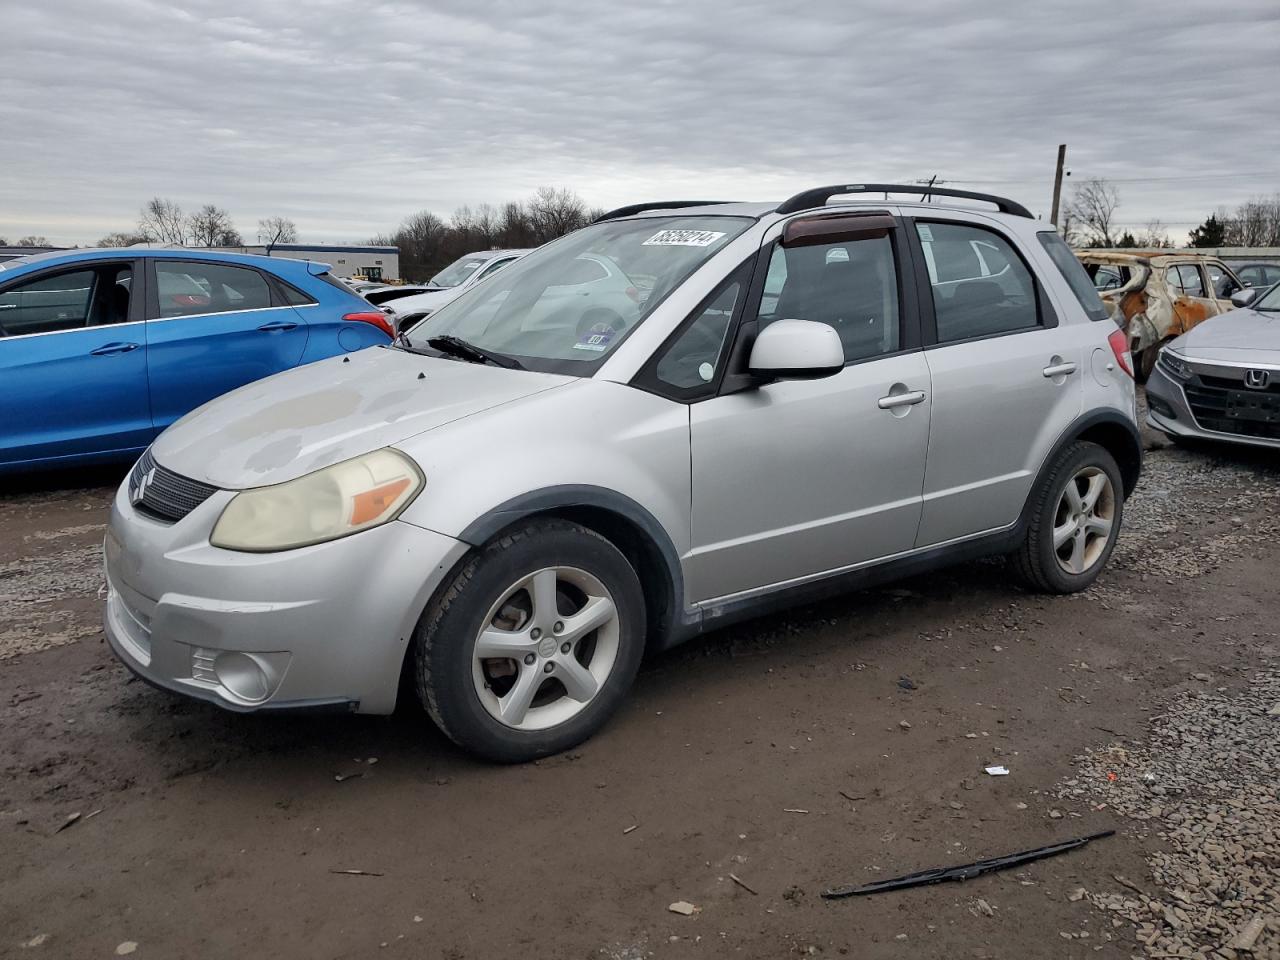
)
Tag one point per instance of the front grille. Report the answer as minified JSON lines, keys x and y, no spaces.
{"x":1224,"y":406}
{"x":1227,"y":383}
{"x":161,"y":493}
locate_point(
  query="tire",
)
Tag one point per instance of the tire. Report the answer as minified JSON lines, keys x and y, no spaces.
{"x":1069,"y":567}
{"x":505,"y":708}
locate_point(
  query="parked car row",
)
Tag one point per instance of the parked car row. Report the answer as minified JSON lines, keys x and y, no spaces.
{"x":674,"y":418}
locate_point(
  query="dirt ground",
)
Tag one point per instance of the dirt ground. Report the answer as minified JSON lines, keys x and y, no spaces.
{"x":791,"y":752}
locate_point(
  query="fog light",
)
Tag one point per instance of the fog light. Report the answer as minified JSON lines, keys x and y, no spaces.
{"x":243,"y":676}
{"x":1160,"y":407}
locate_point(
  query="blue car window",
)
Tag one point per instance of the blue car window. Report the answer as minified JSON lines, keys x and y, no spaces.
{"x":71,"y":300}
{"x":187,"y":287}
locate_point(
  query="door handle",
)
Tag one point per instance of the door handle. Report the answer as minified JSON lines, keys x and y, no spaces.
{"x":900,"y":400}
{"x":115,"y":347}
{"x":277,"y":325}
{"x":1059,"y":369}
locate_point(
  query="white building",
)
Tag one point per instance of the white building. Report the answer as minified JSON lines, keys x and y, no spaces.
{"x":373,"y":263}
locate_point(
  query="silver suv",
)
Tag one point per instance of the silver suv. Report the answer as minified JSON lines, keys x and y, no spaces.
{"x":518,"y":500}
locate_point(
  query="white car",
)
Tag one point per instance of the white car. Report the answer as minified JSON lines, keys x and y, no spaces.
{"x":449,"y":283}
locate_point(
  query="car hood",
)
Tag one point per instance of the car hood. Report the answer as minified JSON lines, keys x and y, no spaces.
{"x":1232,"y":336}
{"x":320,"y":414}
{"x":432,"y":300}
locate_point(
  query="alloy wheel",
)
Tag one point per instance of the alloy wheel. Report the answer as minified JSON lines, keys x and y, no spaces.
{"x":1084,"y":520}
{"x":546,"y":648}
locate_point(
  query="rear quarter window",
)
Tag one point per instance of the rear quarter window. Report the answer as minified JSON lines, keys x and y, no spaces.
{"x":1073,"y":272}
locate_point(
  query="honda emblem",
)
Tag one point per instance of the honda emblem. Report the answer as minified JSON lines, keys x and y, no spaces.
{"x":1257,"y":379}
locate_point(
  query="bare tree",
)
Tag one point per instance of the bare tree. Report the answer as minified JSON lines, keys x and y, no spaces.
{"x":1154,"y":237}
{"x":211,"y":226}
{"x":273,"y":230}
{"x":122,"y":238}
{"x":555,"y":212}
{"x":161,"y":221}
{"x":33,"y":240}
{"x":1093,"y":204}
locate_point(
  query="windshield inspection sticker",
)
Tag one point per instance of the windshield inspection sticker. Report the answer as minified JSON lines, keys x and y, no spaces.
{"x":683,"y":238}
{"x":596,"y":339}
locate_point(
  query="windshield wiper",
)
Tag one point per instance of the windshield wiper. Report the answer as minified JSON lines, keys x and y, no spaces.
{"x":457,"y":347}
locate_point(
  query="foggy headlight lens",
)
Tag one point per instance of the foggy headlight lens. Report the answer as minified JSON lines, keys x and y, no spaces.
{"x":1174,"y":365}
{"x":343,"y":499}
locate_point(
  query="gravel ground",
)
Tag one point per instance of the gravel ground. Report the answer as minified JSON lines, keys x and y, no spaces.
{"x":840,"y":742}
{"x":1205,"y":783}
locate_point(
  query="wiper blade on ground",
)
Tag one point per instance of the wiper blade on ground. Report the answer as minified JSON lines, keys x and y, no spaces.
{"x":457,"y":347}
{"x":965,"y":871}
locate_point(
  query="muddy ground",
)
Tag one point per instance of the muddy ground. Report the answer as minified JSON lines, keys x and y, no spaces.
{"x":788,"y":752}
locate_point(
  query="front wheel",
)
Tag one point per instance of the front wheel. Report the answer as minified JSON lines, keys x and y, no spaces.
{"x":1076,"y":512}
{"x":534,"y":644}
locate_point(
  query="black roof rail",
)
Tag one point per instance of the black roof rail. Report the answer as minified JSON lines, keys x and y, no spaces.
{"x":655,"y":205}
{"x":818,"y":196}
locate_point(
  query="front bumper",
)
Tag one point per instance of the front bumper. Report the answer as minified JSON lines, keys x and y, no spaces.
{"x":1169,"y":411}
{"x":324,"y":626}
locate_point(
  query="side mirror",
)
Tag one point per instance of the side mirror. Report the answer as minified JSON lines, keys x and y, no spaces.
{"x":796,"y":350}
{"x":1242,"y":298}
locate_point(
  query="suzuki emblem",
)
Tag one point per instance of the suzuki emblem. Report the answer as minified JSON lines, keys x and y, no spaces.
{"x":140,"y":490}
{"x":1257,"y":379}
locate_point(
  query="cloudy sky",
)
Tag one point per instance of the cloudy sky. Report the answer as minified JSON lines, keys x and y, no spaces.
{"x":348,"y":116}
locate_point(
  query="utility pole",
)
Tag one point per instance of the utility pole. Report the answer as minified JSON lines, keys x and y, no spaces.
{"x":1057,"y":183}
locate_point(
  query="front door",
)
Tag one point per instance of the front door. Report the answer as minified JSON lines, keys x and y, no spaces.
{"x":799,"y":478}
{"x":73,"y":365}
{"x":213,"y":327}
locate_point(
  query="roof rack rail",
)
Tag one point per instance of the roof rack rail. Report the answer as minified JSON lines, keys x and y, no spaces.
{"x":818,"y":196}
{"x":654,"y":205}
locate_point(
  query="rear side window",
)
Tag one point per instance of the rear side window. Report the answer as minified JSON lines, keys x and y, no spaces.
{"x":980,"y":285}
{"x":188,"y":287}
{"x":1077,"y":277}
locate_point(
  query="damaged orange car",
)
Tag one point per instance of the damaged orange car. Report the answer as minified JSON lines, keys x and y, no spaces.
{"x":1156,"y":295}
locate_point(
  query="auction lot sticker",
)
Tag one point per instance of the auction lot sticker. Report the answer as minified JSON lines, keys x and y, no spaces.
{"x":683,"y":238}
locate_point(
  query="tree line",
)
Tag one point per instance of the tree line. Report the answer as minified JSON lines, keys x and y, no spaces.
{"x":163,"y":221}
{"x":428,"y":243}
{"x":1089,"y":221}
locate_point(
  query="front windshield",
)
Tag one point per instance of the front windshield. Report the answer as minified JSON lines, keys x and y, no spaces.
{"x":457,"y":272}
{"x":1269,"y":302}
{"x":565,"y":307}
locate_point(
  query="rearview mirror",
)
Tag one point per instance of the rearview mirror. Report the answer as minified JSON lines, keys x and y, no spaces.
{"x":1242,"y":298}
{"x":796,"y":350}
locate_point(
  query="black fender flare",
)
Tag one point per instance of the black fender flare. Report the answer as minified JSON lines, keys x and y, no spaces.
{"x":566,"y":499}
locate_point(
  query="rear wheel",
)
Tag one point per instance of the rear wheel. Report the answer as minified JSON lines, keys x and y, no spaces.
{"x":1145,"y":363}
{"x":1076,"y":513}
{"x":534,"y":643}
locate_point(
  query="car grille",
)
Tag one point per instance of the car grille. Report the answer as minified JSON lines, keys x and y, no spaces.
{"x":1226,"y":406}
{"x":163,"y":494}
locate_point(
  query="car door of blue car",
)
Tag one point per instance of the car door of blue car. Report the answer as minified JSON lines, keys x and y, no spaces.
{"x":73,"y":365}
{"x":211,"y":327}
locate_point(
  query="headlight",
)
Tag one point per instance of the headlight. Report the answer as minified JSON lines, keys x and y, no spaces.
{"x":339,"y":500}
{"x":1174,"y":365}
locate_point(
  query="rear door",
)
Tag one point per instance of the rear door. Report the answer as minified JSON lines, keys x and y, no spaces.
{"x":212,"y":327}
{"x":1193,"y":300}
{"x":73,"y":368}
{"x":1007,"y":378}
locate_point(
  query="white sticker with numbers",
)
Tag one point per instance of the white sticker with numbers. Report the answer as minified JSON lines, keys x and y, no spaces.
{"x":683,"y":238}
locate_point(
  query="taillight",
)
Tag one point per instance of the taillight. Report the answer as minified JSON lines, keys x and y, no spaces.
{"x":375,"y":317}
{"x":633,"y":293}
{"x":1120,"y":347}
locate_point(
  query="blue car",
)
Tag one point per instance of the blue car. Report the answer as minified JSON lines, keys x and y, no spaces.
{"x":100,"y":350}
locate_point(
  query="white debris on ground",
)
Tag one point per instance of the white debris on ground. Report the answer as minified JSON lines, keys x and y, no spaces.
{"x":1206,"y":784}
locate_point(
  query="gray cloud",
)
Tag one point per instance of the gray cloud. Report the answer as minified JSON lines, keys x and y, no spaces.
{"x":346,"y":118}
